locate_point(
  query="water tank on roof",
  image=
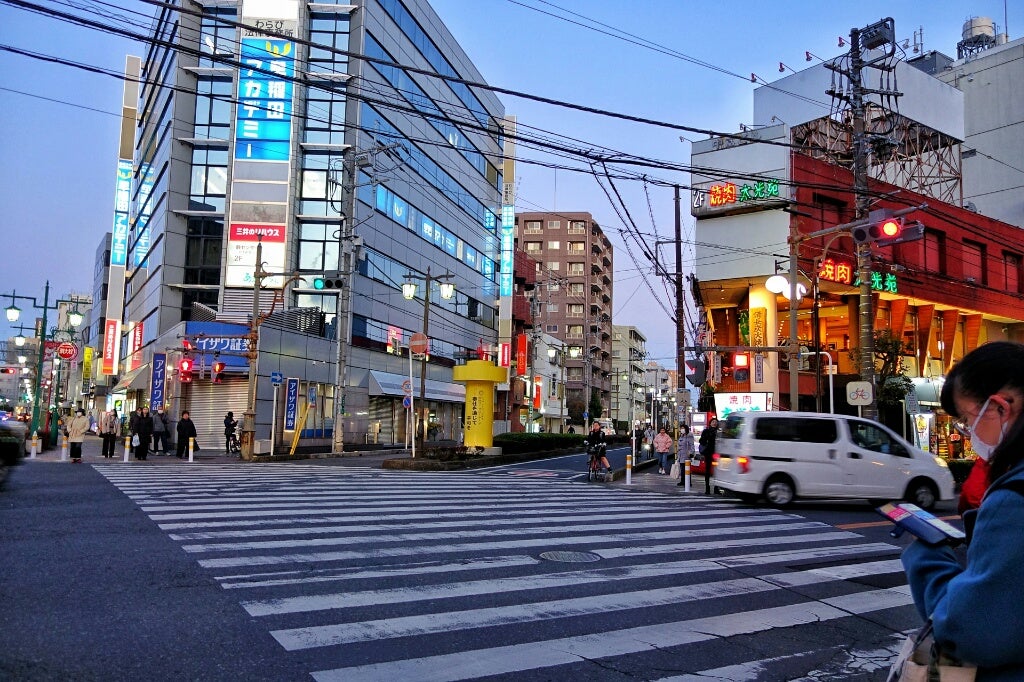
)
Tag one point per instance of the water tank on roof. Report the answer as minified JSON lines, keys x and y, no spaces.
{"x":978,"y":26}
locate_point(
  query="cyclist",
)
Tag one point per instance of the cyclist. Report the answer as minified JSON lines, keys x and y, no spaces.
{"x":596,"y":436}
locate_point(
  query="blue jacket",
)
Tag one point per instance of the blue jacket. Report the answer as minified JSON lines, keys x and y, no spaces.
{"x":978,"y":611}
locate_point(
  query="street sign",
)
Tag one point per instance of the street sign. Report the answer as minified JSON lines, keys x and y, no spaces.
{"x":859,"y":393}
{"x":407,"y":402}
{"x":913,"y":406}
{"x":67,"y":351}
{"x":418,"y":343}
{"x":291,"y":404}
{"x":311,"y":394}
{"x":407,"y":387}
{"x":586,"y":415}
{"x":276,"y":378}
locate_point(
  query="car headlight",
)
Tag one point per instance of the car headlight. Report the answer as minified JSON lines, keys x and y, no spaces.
{"x":941,"y":462}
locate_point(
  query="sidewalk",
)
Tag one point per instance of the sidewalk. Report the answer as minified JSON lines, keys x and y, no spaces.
{"x":92,"y":453}
{"x":649,"y":480}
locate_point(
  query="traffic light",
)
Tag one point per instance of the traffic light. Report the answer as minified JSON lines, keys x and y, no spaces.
{"x":741,"y":367}
{"x":698,"y":371}
{"x":8,"y":370}
{"x":908,"y":232}
{"x":880,"y":225}
{"x":329,"y":280}
{"x":217,"y":371}
{"x":185,"y":370}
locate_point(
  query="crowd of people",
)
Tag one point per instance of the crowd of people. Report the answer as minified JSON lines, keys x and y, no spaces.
{"x":147,"y":432}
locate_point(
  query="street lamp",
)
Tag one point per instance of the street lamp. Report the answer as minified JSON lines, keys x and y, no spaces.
{"x":14,"y":313}
{"x":556,"y":355}
{"x":447,"y":290}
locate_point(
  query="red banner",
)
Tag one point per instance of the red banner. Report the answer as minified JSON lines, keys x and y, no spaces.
{"x":537,"y":384}
{"x":505,"y":355}
{"x":111,"y":342}
{"x":241,"y":232}
{"x":521,"y":342}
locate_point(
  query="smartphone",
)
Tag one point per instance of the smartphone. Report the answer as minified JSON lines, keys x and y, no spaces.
{"x":912,"y":519}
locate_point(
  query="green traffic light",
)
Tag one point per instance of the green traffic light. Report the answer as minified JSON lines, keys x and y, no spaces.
{"x":318,"y":283}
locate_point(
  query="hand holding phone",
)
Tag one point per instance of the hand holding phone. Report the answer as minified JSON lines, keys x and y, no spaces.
{"x":912,"y":519}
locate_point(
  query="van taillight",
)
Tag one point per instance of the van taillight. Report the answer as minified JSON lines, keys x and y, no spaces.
{"x":744,"y":464}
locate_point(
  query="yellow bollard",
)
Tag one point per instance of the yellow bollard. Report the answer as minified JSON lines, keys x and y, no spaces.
{"x":686,"y":475}
{"x":35,"y":445}
{"x":127,"y":447}
{"x":64,"y":448}
{"x":191,"y":448}
{"x":629,"y":469}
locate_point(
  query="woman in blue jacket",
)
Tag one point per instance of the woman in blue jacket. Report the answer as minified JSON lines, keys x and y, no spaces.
{"x":978,"y":610}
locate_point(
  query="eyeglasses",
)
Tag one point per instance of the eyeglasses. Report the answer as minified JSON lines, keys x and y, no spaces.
{"x":965,"y":429}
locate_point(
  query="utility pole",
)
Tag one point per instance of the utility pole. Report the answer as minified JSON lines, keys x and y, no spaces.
{"x":680,"y":314}
{"x":249,"y":416}
{"x":348,"y":251}
{"x":881,"y":34}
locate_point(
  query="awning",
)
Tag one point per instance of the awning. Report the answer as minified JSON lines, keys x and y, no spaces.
{"x":133,"y":380}
{"x":384,"y":383}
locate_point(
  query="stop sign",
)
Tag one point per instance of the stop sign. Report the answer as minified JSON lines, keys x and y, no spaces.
{"x":67,"y":351}
{"x":418,"y":343}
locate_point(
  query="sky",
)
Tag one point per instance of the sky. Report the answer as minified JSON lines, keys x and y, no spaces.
{"x":61,"y":124}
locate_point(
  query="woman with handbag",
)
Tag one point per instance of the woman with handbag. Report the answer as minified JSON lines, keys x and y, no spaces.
{"x":976,"y":611}
{"x":142,"y":434}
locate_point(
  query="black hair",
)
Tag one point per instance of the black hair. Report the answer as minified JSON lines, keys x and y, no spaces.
{"x":982,"y":373}
{"x":684,"y":428}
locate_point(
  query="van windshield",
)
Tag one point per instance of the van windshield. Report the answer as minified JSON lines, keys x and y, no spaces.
{"x":732,"y":427}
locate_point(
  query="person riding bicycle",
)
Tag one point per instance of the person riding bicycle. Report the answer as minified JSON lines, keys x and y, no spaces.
{"x":596,"y":436}
{"x":230,"y":440}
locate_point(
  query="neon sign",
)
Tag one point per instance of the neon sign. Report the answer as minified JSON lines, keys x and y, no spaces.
{"x":720,"y":195}
{"x":843,"y":272}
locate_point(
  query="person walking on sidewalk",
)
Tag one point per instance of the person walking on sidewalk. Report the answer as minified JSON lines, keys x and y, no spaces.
{"x":662,"y":445}
{"x":161,"y":437}
{"x":685,"y":451}
{"x":707,"y":451}
{"x":76,"y":435}
{"x":186,"y":429}
{"x":110,"y":429}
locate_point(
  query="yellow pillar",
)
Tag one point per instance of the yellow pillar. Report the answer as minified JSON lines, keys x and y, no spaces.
{"x":480,"y":377}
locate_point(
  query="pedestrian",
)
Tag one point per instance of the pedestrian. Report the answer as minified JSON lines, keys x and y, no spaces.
{"x":975,"y":609}
{"x":571,"y":429}
{"x":685,"y":451}
{"x":648,"y":441}
{"x":638,"y":438}
{"x":229,"y":431}
{"x":185,"y":429}
{"x":143,"y":433}
{"x":75,"y":432}
{"x":110,"y":429}
{"x":161,"y":435}
{"x":706,"y":448}
{"x":662,"y":445}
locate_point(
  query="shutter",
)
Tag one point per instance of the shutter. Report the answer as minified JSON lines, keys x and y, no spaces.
{"x":209,"y":402}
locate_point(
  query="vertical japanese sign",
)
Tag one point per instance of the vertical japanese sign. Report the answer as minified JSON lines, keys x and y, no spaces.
{"x":87,"y":369}
{"x":156,"y":385}
{"x":291,"y":404}
{"x":262,"y":154}
{"x":122,"y":201}
{"x":111,"y":346}
{"x":508,"y":225}
{"x":537,"y":394}
{"x":143,"y":209}
{"x":521,"y":354}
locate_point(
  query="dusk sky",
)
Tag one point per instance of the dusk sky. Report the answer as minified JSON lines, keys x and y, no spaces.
{"x":61,"y":123}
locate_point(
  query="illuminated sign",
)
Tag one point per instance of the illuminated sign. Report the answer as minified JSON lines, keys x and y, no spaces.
{"x":263,"y":127}
{"x":111,"y":346}
{"x":720,"y":195}
{"x":508,"y":223}
{"x":727,"y":403}
{"x":145,"y":208}
{"x":844,"y":272}
{"x":122,"y":200}
{"x":156,"y":385}
{"x":521,"y":351}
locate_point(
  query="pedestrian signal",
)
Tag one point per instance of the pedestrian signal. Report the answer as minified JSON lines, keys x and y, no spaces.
{"x":185,"y":370}
{"x":217,"y":371}
{"x":699,"y":371}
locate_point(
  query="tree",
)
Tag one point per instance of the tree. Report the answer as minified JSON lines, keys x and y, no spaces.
{"x":595,"y":404}
{"x":574,"y":410}
{"x":891,"y":381}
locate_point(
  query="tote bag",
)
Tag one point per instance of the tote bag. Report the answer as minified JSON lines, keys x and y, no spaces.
{"x":920,"y":660}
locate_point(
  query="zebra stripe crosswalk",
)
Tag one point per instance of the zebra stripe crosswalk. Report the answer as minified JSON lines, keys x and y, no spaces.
{"x":372,"y":574}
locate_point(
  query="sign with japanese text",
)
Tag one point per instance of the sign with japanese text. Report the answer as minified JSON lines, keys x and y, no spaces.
{"x":758,"y":326}
{"x":111,"y":346}
{"x":291,"y":404}
{"x":727,"y":403}
{"x":122,"y":202}
{"x":508,"y":224}
{"x":521,"y":354}
{"x":87,"y":368}
{"x":537,"y":395}
{"x":845,"y":272}
{"x":265,"y":87}
{"x":724,"y":196}
{"x":156,"y":384}
{"x":505,"y":355}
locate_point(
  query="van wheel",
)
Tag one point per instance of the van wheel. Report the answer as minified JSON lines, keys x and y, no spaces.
{"x":922,"y":492}
{"x":779,"y":491}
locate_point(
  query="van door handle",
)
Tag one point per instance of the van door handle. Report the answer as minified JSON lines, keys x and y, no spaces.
{"x":831,"y":454}
{"x":854,"y":455}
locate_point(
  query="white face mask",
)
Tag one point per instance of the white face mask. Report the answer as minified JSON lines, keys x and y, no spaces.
{"x":983,"y":449}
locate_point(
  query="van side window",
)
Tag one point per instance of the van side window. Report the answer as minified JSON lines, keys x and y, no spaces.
{"x":797,"y":430}
{"x":731,"y":427}
{"x":870,"y":437}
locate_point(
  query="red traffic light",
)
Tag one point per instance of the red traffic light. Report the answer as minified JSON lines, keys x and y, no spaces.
{"x":740,"y":360}
{"x":890,"y":228}
{"x":8,"y":370}
{"x":218,"y":367}
{"x":185,"y":365}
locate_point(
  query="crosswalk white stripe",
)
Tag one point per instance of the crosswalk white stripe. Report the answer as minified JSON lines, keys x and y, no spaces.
{"x":610,"y":530}
{"x":607,"y":553}
{"x":370,"y":524}
{"x":411,"y":626}
{"x":515,"y":658}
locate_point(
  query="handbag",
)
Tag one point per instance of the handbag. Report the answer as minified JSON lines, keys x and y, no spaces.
{"x":195,"y":446}
{"x":921,"y":660}
{"x":675,"y":470}
{"x":135,"y":440}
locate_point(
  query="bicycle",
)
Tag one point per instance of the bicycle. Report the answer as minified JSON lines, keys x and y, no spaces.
{"x":595,"y":471}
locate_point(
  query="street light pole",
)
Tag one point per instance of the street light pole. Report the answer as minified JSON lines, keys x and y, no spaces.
{"x":409,"y":291}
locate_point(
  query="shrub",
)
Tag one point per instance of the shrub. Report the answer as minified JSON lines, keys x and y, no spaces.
{"x":457,"y":453}
{"x":512,"y":443}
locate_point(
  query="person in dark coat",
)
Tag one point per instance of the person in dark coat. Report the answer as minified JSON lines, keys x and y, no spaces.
{"x":706,"y":447}
{"x":229,"y":431}
{"x":186,"y":429}
{"x":144,"y":430}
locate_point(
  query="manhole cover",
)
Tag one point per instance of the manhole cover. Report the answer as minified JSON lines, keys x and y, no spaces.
{"x":570,"y":557}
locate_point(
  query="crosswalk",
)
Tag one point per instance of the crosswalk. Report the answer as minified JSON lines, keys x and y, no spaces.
{"x":379,"y":575}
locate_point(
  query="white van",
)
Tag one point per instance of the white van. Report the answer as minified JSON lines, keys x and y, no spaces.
{"x":785,"y":455}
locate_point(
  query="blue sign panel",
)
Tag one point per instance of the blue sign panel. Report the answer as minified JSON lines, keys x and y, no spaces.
{"x":264,"y":113}
{"x":291,"y":404}
{"x":156,"y":386}
{"x":145,"y":208}
{"x":508,"y":224}
{"x":122,"y":201}
{"x":311,"y":395}
{"x":276,"y":378}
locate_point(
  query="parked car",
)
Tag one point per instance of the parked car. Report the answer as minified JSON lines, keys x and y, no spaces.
{"x":12,"y":445}
{"x":782,"y":456}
